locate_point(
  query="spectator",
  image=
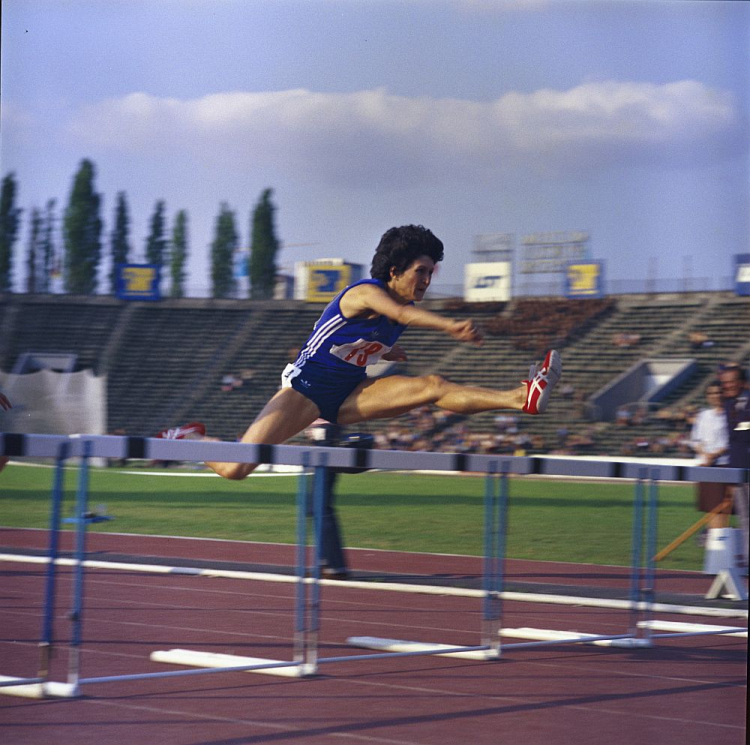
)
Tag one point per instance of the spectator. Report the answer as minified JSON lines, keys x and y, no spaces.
{"x":737,"y":407}
{"x":734,"y":389}
{"x":230,"y":381}
{"x":622,"y":416}
{"x":626,"y":339}
{"x":332,"y":556}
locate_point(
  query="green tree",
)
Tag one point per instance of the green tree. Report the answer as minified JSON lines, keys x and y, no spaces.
{"x":179,"y":253}
{"x":10,"y":217}
{"x":225,"y":243}
{"x":263,"y":248}
{"x":156,"y":243}
{"x":47,"y":259}
{"x":82,"y":228}
{"x":119,"y":239}
{"x":34,"y":255}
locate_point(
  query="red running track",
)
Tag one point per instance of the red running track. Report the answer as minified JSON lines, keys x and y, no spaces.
{"x":681,"y":691}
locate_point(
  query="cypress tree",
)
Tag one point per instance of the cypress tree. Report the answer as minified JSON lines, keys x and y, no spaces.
{"x":119,"y":239}
{"x":82,"y":229}
{"x":222,"y":252}
{"x":156,"y":244}
{"x":263,"y":248}
{"x":10,"y":217}
{"x":34,"y":256}
{"x":47,"y":259}
{"x":179,"y":254}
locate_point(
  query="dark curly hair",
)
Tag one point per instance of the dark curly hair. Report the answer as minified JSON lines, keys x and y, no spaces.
{"x":399,"y":247}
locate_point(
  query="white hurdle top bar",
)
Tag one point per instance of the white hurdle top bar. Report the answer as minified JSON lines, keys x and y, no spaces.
{"x":119,"y":447}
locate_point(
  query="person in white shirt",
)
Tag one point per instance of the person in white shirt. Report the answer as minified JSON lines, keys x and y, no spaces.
{"x":710,"y":441}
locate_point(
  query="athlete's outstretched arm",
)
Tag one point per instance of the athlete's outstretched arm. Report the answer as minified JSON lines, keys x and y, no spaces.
{"x":371,"y":298}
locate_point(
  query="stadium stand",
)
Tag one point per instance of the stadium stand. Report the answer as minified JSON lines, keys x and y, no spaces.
{"x":165,"y":356}
{"x":65,"y":325}
{"x":218,"y":361}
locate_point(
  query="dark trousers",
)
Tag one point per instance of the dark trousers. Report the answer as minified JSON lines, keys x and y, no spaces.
{"x":331,"y":549}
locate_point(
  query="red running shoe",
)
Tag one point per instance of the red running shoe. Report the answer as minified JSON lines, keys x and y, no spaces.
{"x":180,"y":433}
{"x":542,"y":381}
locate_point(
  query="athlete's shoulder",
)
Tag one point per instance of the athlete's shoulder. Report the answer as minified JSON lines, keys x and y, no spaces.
{"x":361,"y":297}
{"x":367,"y":282}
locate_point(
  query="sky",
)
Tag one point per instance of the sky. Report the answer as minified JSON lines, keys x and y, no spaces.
{"x":624,"y":119}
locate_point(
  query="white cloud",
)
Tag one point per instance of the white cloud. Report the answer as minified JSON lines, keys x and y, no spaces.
{"x":374,"y":136}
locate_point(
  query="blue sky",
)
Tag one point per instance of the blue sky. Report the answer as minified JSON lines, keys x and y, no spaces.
{"x":625,"y":119}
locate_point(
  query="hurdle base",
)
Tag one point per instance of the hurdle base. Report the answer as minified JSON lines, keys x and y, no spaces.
{"x":47,"y":689}
{"x":728,"y":584}
{"x":573,"y":637}
{"x":401,"y":645}
{"x":191,"y":658}
{"x":679,"y":627}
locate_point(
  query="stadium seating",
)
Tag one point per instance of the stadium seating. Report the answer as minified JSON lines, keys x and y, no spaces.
{"x":70,"y":325}
{"x":169,"y":362}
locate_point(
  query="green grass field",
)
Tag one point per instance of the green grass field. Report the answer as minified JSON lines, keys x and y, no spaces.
{"x":548,"y":520}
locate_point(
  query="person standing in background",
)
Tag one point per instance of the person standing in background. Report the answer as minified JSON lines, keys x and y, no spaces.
{"x":736,"y":395}
{"x":709,"y":439}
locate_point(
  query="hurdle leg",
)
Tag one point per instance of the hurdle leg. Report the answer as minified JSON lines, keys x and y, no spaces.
{"x":648,"y":590}
{"x":495,"y":534}
{"x":637,"y":572}
{"x":76,"y":612}
{"x":47,"y":640}
{"x":635,"y":554}
{"x":300,"y":611}
{"x":633,"y":638}
{"x":313,"y":631}
{"x":41,"y":687}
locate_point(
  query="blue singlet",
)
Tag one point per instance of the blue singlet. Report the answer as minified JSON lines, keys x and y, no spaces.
{"x":334,"y":360}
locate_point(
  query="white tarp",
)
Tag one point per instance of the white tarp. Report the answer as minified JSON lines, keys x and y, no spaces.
{"x":55,"y":403}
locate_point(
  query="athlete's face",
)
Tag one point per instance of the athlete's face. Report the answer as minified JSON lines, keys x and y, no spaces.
{"x":412,"y":284}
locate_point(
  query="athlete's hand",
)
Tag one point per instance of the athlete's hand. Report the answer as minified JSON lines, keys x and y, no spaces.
{"x":4,"y":403}
{"x":466,"y":331}
{"x":397,"y":354}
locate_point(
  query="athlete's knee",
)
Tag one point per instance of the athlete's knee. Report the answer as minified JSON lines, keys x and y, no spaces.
{"x":436,"y":385}
{"x":234,"y":471}
{"x":235,"y":474}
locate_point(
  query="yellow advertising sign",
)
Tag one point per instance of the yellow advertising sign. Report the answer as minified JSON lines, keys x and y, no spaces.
{"x":585,"y":280}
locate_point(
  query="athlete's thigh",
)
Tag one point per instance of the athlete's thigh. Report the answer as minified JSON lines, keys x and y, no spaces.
{"x":285,"y":415}
{"x":382,"y":398}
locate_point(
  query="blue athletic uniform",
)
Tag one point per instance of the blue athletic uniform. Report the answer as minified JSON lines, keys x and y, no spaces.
{"x":333,"y":361}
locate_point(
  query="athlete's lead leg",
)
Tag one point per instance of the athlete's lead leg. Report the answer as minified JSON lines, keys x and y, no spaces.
{"x":383,"y":398}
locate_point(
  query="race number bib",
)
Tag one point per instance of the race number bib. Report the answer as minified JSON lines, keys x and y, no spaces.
{"x":361,"y":352}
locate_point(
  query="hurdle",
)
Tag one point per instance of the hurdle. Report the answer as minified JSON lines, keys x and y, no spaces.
{"x":40,"y":686}
{"x":314,"y":461}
